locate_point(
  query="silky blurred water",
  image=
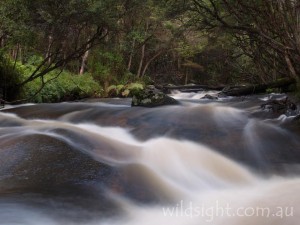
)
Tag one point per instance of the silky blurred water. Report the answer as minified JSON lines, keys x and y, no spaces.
{"x":107,"y":163}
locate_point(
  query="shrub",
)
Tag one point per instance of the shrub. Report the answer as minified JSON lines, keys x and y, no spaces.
{"x":65,"y":87}
{"x":9,"y":76}
{"x":124,"y":90}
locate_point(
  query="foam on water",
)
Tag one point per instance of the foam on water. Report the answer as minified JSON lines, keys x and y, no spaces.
{"x":192,"y":95}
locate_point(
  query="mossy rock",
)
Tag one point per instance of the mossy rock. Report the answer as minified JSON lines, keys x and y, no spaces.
{"x":152,"y":97}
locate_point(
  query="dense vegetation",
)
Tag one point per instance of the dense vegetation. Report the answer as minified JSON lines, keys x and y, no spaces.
{"x":66,"y":49}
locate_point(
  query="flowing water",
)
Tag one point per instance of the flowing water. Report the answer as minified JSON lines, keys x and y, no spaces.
{"x":97,"y":163}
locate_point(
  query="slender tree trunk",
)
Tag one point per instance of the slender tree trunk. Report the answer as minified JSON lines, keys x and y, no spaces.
{"x":186,"y":76}
{"x":107,"y":37}
{"x":83,"y":62}
{"x":131,"y":56}
{"x":141,"y":61}
{"x":24,"y":52}
{"x":179,"y":63}
{"x":20,"y":53}
{"x":142,"y":53}
{"x":13,"y":53}
{"x":291,"y":67}
{"x":16,"y":55}
{"x":2,"y":42}
{"x":50,"y":38}
{"x":149,"y":61}
{"x":265,"y":73}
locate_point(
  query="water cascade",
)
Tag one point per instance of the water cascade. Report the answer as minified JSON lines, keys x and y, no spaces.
{"x":201,"y":162}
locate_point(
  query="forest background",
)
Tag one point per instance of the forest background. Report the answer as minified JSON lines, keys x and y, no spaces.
{"x":58,"y":50}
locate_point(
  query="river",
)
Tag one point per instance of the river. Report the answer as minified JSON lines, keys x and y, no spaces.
{"x":104,"y":162}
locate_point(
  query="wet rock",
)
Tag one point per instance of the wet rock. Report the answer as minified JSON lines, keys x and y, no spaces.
{"x":210,"y":97}
{"x":297,"y":117}
{"x":152,"y":97}
{"x":222,"y":95}
{"x":282,"y":106}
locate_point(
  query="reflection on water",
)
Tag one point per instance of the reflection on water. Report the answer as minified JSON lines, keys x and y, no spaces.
{"x":108,"y":163}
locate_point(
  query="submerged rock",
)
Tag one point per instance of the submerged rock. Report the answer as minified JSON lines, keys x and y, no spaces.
{"x":152,"y":97}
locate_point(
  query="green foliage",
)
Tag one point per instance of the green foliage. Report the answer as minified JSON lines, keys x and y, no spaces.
{"x":65,"y":87}
{"x":106,"y":66}
{"x":261,"y":30}
{"x":120,"y":43}
{"x":126,"y":78}
{"x":133,"y":86}
{"x":61,"y":31}
{"x":13,"y":14}
{"x":114,"y":90}
{"x":194,"y":44}
{"x":124,"y":90}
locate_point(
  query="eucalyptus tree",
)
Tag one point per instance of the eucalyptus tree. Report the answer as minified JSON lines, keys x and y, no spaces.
{"x":268,"y":31}
{"x":148,"y":35}
{"x":140,"y":25}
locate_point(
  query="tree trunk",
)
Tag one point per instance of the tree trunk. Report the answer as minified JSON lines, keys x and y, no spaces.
{"x":290,"y":66}
{"x":50,"y":39}
{"x":83,"y":62}
{"x":149,"y":61}
{"x":259,"y":88}
{"x":142,"y":53}
{"x":186,"y":76}
{"x":16,"y":55}
{"x":2,"y":42}
{"x":179,"y":63}
{"x":131,"y":56}
{"x":141,"y":61}
{"x":191,"y":88}
{"x":20,"y":53}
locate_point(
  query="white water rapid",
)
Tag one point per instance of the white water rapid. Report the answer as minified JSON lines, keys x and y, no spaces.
{"x":68,"y":165}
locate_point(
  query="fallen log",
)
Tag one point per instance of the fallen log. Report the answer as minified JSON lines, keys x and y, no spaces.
{"x":258,"y":88}
{"x":190,"y":88}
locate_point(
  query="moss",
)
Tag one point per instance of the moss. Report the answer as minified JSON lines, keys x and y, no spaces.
{"x":146,"y":101}
{"x":127,"y":90}
{"x":152,"y":98}
{"x":125,"y":93}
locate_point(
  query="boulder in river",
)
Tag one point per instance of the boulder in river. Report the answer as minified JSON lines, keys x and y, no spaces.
{"x":210,"y":97}
{"x":279,"y":105}
{"x":152,"y":97}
